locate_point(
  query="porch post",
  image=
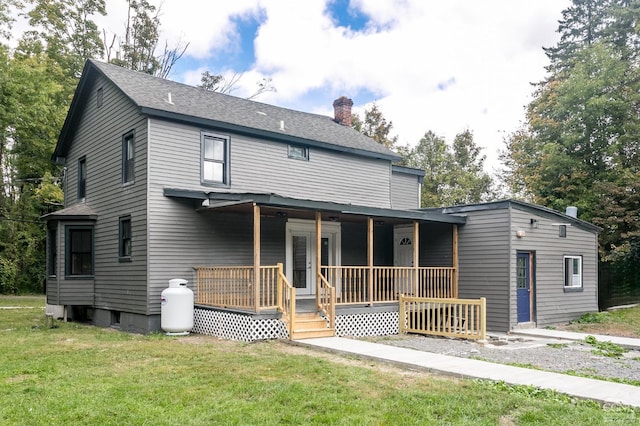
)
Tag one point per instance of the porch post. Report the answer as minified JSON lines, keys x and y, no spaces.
{"x":256,"y":256}
{"x":318,"y":254}
{"x":416,"y":256}
{"x":370,"y":256}
{"x":454,"y":279}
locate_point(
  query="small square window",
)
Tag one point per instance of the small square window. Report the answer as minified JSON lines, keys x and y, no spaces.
{"x":82,"y":178}
{"x":298,"y":152}
{"x":128,"y":157}
{"x":125,"y":238}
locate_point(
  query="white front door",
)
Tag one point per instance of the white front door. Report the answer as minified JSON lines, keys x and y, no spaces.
{"x":301,"y":252}
{"x":403,"y":246}
{"x":302,"y":259}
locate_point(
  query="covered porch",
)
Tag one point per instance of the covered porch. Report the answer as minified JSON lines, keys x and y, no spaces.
{"x":327,"y":259}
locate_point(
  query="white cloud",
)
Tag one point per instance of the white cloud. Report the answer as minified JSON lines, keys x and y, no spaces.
{"x":443,"y":65}
{"x":484,"y":55}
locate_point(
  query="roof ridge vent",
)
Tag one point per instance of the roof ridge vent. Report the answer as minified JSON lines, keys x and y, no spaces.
{"x":168,"y":100}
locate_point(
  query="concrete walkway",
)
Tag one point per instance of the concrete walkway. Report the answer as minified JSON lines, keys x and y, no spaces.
{"x":579,"y":387}
{"x":626,"y":342}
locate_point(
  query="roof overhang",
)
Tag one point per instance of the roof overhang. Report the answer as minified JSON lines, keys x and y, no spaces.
{"x":215,"y":200}
{"x":80,"y":211}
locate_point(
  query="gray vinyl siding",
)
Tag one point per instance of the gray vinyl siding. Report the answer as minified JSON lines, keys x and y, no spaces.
{"x":436,"y":244}
{"x":182,"y":238}
{"x":404,"y":191}
{"x":62,"y":290}
{"x":120,"y":286}
{"x":552,"y":304}
{"x":261,"y":166}
{"x":483,"y":254}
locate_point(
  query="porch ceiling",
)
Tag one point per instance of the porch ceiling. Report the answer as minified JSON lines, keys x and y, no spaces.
{"x":305,"y":209}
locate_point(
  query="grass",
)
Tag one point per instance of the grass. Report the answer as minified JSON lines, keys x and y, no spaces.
{"x":608,"y":349}
{"x":76,"y":375}
{"x":620,"y":322}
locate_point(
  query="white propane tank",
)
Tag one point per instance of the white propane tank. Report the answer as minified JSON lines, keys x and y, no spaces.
{"x":176,"y":310}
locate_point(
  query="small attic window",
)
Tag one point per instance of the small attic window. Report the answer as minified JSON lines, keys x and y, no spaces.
{"x":298,"y":152}
{"x":99,"y":97}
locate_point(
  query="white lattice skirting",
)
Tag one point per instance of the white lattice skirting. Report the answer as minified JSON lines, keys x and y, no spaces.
{"x":234,"y":326}
{"x":367,"y":324}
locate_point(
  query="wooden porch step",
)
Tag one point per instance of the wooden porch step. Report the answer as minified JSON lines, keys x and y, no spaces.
{"x":309,"y":325}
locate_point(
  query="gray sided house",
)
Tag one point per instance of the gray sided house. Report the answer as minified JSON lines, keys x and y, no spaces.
{"x":249,"y":202}
{"x":534,"y":265}
{"x":285,"y":224}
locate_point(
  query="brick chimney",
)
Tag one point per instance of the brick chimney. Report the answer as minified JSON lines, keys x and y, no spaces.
{"x":342,"y":110}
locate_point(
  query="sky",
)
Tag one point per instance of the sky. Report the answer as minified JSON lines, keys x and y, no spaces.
{"x":444,"y":66}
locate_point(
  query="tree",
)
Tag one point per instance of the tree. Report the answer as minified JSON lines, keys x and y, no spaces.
{"x":138,"y":49}
{"x":453,"y":175}
{"x":30,"y":118}
{"x":580,"y":144}
{"x":65,"y":30}
{"x":376,"y":126}
{"x":218,"y":83}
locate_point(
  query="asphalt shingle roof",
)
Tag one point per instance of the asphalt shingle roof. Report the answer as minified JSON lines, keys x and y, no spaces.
{"x":190,"y":103}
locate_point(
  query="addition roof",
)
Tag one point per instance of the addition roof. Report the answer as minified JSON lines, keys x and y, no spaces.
{"x":170,"y":100}
{"x":503,"y":204}
{"x":217,"y":199}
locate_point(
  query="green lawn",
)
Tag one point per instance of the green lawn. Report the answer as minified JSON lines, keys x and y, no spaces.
{"x":620,"y":322}
{"x":75,"y":374}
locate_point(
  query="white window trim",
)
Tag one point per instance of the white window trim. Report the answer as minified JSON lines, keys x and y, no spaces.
{"x":576,"y":279}
{"x":226,"y":178}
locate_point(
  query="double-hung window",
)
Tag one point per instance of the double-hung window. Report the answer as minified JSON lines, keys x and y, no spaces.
{"x":79,"y":253}
{"x":125,"y":238}
{"x":82,"y":178}
{"x":128,"y":157}
{"x":572,"y":272}
{"x":215,"y":159}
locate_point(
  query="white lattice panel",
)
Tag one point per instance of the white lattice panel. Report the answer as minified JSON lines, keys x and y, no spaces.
{"x":229,"y":325}
{"x":368,"y":324}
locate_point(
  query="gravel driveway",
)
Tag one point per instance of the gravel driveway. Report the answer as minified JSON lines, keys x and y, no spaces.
{"x":545,"y":354}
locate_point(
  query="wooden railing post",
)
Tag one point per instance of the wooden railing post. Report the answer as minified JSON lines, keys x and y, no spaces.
{"x":483,"y":318}
{"x":280,"y":288}
{"x":370,"y":256}
{"x":402,"y":314}
{"x":256,"y":256}
{"x":416,"y":258}
{"x":318,"y":260}
{"x":455,"y":262}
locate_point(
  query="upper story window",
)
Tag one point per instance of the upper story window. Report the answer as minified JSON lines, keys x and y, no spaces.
{"x":298,"y":152}
{"x":215,"y":159}
{"x":573,"y":272}
{"x":79,"y":251}
{"x":82,"y":178}
{"x":125,"y":238}
{"x":128,"y":157}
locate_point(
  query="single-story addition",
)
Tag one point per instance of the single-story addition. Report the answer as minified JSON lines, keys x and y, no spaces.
{"x":285,"y":224}
{"x":535,"y":266}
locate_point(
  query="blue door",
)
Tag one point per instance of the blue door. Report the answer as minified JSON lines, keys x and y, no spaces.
{"x":523,"y":285}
